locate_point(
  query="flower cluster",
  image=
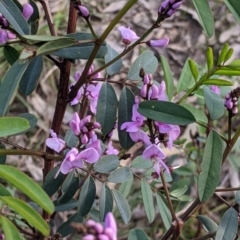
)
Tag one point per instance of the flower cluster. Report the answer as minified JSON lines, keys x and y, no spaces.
{"x":168,"y":8}
{"x":231,"y":100}
{"x":96,"y":231}
{"x":5,"y":33}
{"x":161,"y":133}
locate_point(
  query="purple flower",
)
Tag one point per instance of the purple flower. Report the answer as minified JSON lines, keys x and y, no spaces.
{"x":137,"y":121}
{"x":83,"y":11}
{"x":140,"y":136}
{"x":3,"y":36}
{"x":162,"y":91}
{"x":74,"y":159}
{"x":54,"y":142}
{"x":93,"y":93}
{"x":27,"y":11}
{"x":111,"y":150}
{"x":75,"y":124}
{"x":96,"y":144}
{"x":169,"y":7}
{"x":127,"y":35}
{"x":215,"y":89}
{"x":110,"y":226}
{"x":155,"y":154}
{"x":161,"y":43}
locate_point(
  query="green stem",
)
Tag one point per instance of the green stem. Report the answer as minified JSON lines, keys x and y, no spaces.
{"x":91,"y":29}
{"x":229,"y":126}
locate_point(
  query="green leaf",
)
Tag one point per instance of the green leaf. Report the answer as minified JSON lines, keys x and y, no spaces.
{"x":106,"y":202}
{"x":186,"y":79}
{"x":106,"y":164}
{"x":66,"y":228}
{"x":217,"y":82}
{"x":147,"y":61}
{"x":41,"y":38}
{"x":3,"y":158}
{"x":28,"y":213}
{"x":140,"y":163}
{"x":147,"y":196}
{"x":208,"y":224}
{"x":235,"y":63}
{"x":107,"y":108}
{"x":83,"y":50}
{"x":211,"y":167}
{"x":168,"y":77}
{"x":137,"y":234}
{"x":122,"y":205}
{"x":222,"y":54}
{"x":34,"y":19}
{"x":126,"y":186}
{"x":194,"y":69}
{"x":234,"y":7}
{"x":198,"y":114}
{"x":12,"y":125}
{"x":32,"y":120}
{"x":116,"y":66}
{"x":228,"y":225}
{"x":31,"y":76}
{"x":70,"y":139}
{"x":229,"y":54}
{"x":87,"y":197}
{"x":214,"y":103}
{"x":55,"y":45}
{"x":179,"y":191}
{"x":237,"y":197}
{"x":205,"y":16}
{"x":126,"y":102}
{"x":11,"y":54}
{"x":52,"y":184}
{"x":227,"y":72}
{"x":25,"y":184}
{"x":4,"y":191}
{"x":9,"y":85}
{"x":164,"y":211}
{"x":9,"y":229}
{"x":67,"y":182}
{"x":166,"y":112}
{"x":14,"y":16}
{"x":119,"y":175}
{"x":210,"y":58}
{"x":61,"y":207}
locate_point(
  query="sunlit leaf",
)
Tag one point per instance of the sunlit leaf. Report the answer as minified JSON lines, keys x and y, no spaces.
{"x":9,"y":229}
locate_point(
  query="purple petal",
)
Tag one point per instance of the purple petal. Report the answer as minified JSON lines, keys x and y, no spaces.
{"x":153,"y":152}
{"x":89,"y":237}
{"x":161,"y":43}
{"x":140,"y":136}
{"x":110,"y":222}
{"x":84,"y":11}
{"x":56,"y":144}
{"x":3,"y":36}
{"x":127,"y":35}
{"x":89,"y":155}
{"x":65,"y":167}
{"x":75,"y":124}
{"x":27,"y":11}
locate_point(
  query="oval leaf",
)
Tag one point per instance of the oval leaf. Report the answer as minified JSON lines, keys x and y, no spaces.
{"x":11,"y":54}
{"x":208,"y":224}
{"x":210,"y":58}
{"x":87,"y":197}
{"x":126,"y":187}
{"x":4,"y":191}
{"x":137,"y":234}
{"x":116,"y":66}
{"x":107,"y":108}
{"x":25,"y":184}
{"x":106,"y":202}
{"x":211,"y":167}
{"x":147,"y":61}
{"x":147,"y":196}
{"x":205,"y":16}
{"x":166,"y":112}
{"x":228,"y":226}
{"x":218,"y":82}
{"x":234,"y":7}
{"x":106,"y":164}
{"x":28,"y":213}
{"x":122,"y":205}
{"x":9,"y":229}
{"x":120,"y":175}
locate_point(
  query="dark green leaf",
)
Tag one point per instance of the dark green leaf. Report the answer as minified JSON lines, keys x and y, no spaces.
{"x":228,"y":226}
{"x":67,"y":181}
{"x":107,"y":108}
{"x":179,"y":191}
{"x":234,"y":7}
{"x":12,"y":125}
{"x":30,"y":77}
{"x":14,"y":16}
{"x":41,"y":38}
{"x":65,"y":206}
{"x":164,"y":211}
{"x":166,"y":112}
{"x":28,"y":213}
{"x":122,"y":205}
{"x":106,"y":202}
{"x":218,"y":82}
{"x":106,"y":164}
{"x":9,"y":229}
{"x":147,"y":61}
{"x":126,"y":103}
{"x":11,"y":54}
{"x":210,"y":58}
{"x":119,"y":175}
{"x":52,"y":183}
{"x":70,"y":139}
{"x":211,"y":167}
{"x":126,"y":187}
{"x":222,"y":54}
{"x":116,"y":66}
{"x":205,"y":16}
{"x":214,"y":103}
{"x":4,"y":191}
{"x":34,"y":19}
{"x":237,"y":197}
{"x":208,"y":224}
{"x":3,"y":158}
{"x":137,"y":234}
{"x":66,"y":228}
{"x":9,"y":85}
{"x":186,"y":79}
{"x":32,"y":120}
{"x":194,"y":68}
{"x":168,"y":77}
{"x":81,"y":51}
{"x":87,"y":197}
{"x":55,"y":45}
{"x":140,"y":163}
{"x":147,"y":196}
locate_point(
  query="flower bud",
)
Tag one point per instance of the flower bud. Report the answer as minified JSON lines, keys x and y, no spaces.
{"x":3,"y":36}
{"x":144,"y":91}
{"x":27,"y":11}
{"x":83,"y":11}
{"x":235,"y":110}
{"x":84,"y":139}
{"x":127,"y":35}
{"x":158,"y":43}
